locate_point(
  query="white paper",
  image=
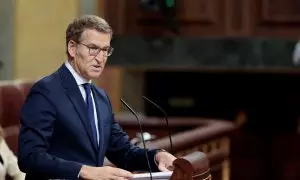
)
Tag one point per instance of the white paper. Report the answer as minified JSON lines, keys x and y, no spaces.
{"x":155,"y":175}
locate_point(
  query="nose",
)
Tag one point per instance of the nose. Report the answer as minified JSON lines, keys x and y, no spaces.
{"x":100,"y":57}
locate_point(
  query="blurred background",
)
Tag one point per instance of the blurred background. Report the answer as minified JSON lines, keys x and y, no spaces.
{"x":228,"y":68}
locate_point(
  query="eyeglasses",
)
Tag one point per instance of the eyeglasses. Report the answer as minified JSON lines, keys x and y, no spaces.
{"x":94,"y":50}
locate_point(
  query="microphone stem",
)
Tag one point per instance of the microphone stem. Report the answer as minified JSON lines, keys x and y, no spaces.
{"x":167,"y":121}
{"x":141,"y":130}
{"x":172,"y":150}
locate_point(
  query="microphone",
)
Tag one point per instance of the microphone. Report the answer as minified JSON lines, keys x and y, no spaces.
{"x":141,"y":129}
{"x":166,"y":118}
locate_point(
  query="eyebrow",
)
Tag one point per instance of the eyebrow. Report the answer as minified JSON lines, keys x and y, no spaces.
{"x":94,"y":45}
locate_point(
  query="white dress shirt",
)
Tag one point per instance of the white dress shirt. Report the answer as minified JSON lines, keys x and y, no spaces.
{"x":80,"y":81}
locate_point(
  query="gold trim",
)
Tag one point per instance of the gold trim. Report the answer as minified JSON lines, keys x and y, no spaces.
{"x":203,"y":174}
{"x":226,"y":170}
{"x":207,"y":178}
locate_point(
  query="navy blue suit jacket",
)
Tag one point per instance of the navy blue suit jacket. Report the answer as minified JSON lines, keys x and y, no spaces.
{"x":56,"y":137}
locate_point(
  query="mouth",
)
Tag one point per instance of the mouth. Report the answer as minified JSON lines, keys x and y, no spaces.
{"x":97,"y":66}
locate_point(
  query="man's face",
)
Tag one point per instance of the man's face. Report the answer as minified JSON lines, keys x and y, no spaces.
{"x":88,"y":60}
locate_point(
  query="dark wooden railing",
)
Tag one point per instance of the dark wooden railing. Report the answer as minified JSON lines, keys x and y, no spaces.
{"x":210,"y":136}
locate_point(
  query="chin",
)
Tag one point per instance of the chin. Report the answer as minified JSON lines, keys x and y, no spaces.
{"x":94,"y":75}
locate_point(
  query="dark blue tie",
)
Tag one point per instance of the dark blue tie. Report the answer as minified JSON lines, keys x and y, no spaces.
{"x":90,"y":107}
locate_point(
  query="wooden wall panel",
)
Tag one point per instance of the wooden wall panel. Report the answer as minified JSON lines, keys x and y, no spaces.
{"x":205,"y":17}
{"x":277,"y":18}
{"x":111,"y":81}
{"x":202,"y":17}
{"x":238,"y":18}
{"x":279,"y":11}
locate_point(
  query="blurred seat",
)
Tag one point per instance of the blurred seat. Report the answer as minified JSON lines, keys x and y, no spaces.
{"x":11,"y":137}
{"x":25,"y":87}
{"x":12,"y":97}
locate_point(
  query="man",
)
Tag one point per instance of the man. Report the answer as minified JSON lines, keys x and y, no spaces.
{"x":67,"y":124}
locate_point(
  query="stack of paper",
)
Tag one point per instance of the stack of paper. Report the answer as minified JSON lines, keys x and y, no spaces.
{"x":156,"y":175}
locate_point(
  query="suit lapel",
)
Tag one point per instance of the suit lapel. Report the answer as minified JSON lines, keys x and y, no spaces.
{"x":75,"y":97}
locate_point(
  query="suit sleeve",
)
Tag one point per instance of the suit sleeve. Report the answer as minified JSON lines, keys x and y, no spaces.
{"x":37,"y":120}
{"x":127,"y":156}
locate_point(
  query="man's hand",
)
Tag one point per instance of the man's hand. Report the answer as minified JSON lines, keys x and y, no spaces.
{"x":164,"y":160}
{"x":104,"y":173}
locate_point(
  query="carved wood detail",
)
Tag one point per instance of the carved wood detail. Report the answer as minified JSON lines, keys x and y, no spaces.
{"x":238,"y":17}
{"x":201,"y":11}
{"x":277,"y":18}
{"x":280,"y":11}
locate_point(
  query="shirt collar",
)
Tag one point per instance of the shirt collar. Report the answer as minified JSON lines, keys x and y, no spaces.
{"x":78,"y":78}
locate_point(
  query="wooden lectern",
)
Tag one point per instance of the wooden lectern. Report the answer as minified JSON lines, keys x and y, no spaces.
{"x":194,"y":166}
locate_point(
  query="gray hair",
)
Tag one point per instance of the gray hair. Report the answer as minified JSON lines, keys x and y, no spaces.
{"x":80,"y":24}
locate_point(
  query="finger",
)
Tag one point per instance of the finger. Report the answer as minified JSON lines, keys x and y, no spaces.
{"x":119,"y":178}
{"x":113,"y":177}
{"x":170,"y":168}
{"x":122,"y":173}
{"x":162,"y":167}
{"x":123,"y":178}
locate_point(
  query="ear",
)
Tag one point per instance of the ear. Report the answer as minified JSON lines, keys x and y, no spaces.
{"x":72,"y":48}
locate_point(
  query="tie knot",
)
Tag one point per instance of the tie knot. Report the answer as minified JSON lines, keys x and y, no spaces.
{"x":87,"y":87}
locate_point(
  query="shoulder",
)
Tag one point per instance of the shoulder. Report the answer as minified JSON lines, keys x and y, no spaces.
{"x":46,"y":84}
{"x":42,"y":97}
{"x":44,"y":91}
